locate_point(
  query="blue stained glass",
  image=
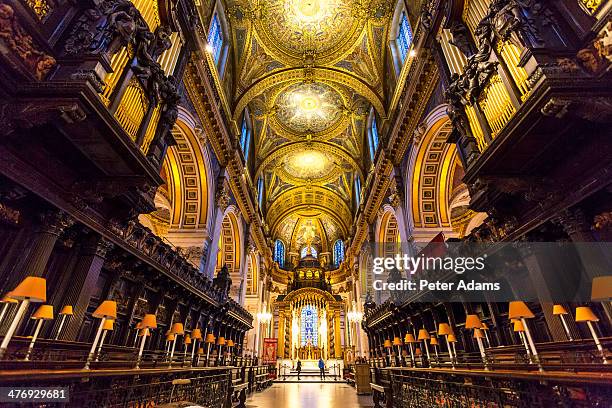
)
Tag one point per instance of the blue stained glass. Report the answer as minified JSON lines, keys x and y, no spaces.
{"x":260,"y":191}
{"x":279,"y":252}
{"x":358,"y":190}
{"x":215,"y":38}
{"x":310,"y":329}
{"x":338,"y":252}
{"x":374,"y":133}
{"x":404,"y":37}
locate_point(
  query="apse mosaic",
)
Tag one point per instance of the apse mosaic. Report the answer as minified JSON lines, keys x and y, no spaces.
{"x":309,"y":107}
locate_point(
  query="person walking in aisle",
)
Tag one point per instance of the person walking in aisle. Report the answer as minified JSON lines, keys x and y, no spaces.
{"x":322,"y":368}
{"x":299,"y":369}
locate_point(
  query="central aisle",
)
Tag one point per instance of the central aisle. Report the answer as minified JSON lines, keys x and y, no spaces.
{"x":309,"y":395}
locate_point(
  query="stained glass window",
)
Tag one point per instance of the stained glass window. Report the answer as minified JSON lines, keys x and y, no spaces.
{"x":310,"y":329}
{"x":357,"y":190}
{"x":260,"y":191}
{"x":304,"y":251}
{"x":338,"y":252}
{"x":373,"y":137}
{"x":215,"y":38}
{"x":279,"y":252}
{"x":245,"y":138}
{"x":404,"y":37}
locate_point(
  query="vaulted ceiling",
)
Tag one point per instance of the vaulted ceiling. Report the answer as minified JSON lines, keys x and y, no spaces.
{"x":309,"y":71}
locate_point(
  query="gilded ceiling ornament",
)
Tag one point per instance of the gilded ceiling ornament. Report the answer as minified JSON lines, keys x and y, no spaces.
{"x":299,"y":30}
{"x":309,"y":107}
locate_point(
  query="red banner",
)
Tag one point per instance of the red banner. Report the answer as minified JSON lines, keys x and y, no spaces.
{"x":269,"y":351}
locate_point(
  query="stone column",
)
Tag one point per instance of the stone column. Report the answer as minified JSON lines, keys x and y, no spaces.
{"x":81,"y":284}
{"x":53,"y":224}
{"x":541,"y":282}
{"x":337,"y":331}
{"x":281,"y":334}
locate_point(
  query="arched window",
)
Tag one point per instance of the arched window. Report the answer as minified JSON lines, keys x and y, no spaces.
{"x":260,"y":191}
{"x":404,"y":37}
{"x":304,"y":251}
{"x":373,"y":136}
{"x":245,"y":137}
{"x":357,"y":190}
{"x":310,"y":329}
{"x":279,"y":253}
{"x":215,"y":38}
{"x":338,"y":252}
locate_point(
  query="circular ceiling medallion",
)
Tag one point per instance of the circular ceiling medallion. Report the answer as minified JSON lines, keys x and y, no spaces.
{"x":309,"y":164}
{"x":309,"y":107}
{"x":328,"y":28}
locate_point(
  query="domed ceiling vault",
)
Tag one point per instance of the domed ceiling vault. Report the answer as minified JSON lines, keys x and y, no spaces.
{"x":309,"y":71}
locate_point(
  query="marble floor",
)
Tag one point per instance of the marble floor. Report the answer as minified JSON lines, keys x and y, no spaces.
{"x":309,"y":395}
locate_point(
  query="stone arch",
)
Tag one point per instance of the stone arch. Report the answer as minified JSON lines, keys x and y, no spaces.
{"x":437,"y":200}
{"x":184,"y":202}
{"x":231,"y":249}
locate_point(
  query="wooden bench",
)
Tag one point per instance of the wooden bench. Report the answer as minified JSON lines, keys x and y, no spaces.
{"x":380,"y":395}
{"x":239,"y":395}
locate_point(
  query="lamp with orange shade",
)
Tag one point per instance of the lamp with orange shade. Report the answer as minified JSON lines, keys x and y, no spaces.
{"x":520,"y":310}
{"x":200,"y":352}
{"x":472,"y":321}
{"x":585,"y":314}
{"x":109,"y":325}
{"x":210,"y":340}
{"x":409,"y":339}
{"x":478,"y":335}
{"x":7,"y":301}
{"x":149,"y":321}
{"x":178,"y":330}
{"x":66,"y":312}
{"x":105,"y":311}
{"x":388,"y":345}
{"x":559,"y":310}
{"x":445,"y":330}
{"x":31,"y":289}
{"x":196,"y":334}
{"x":398,"y":343}
{"x":434,"y":342}
{"x":230,"y":344}
{"x":485,"y":330}
{"x":220,"y":343}
{"x":520,"y":329}
{"x":424,"y":335}
{"x":601,"y":289}
{"x":44,"y":312}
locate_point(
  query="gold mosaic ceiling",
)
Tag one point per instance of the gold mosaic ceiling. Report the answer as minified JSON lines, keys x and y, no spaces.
{"x":309,"y":71}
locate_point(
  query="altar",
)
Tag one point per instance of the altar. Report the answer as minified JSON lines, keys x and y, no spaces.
{"x":309,"y":316}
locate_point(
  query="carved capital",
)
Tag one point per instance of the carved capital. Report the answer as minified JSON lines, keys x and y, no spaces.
{"x":573,"y":221}
{"x":103,"y":248}
{"x":54,"y":222}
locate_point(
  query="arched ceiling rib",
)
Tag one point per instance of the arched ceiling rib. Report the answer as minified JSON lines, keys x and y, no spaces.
{"x":309,"y":72}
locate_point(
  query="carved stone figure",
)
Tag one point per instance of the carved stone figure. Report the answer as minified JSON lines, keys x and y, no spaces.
{"x":223,"y":280}
{"x":20,"y":46}
{"x":104,"y":27}
{"x":461,"y":38}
